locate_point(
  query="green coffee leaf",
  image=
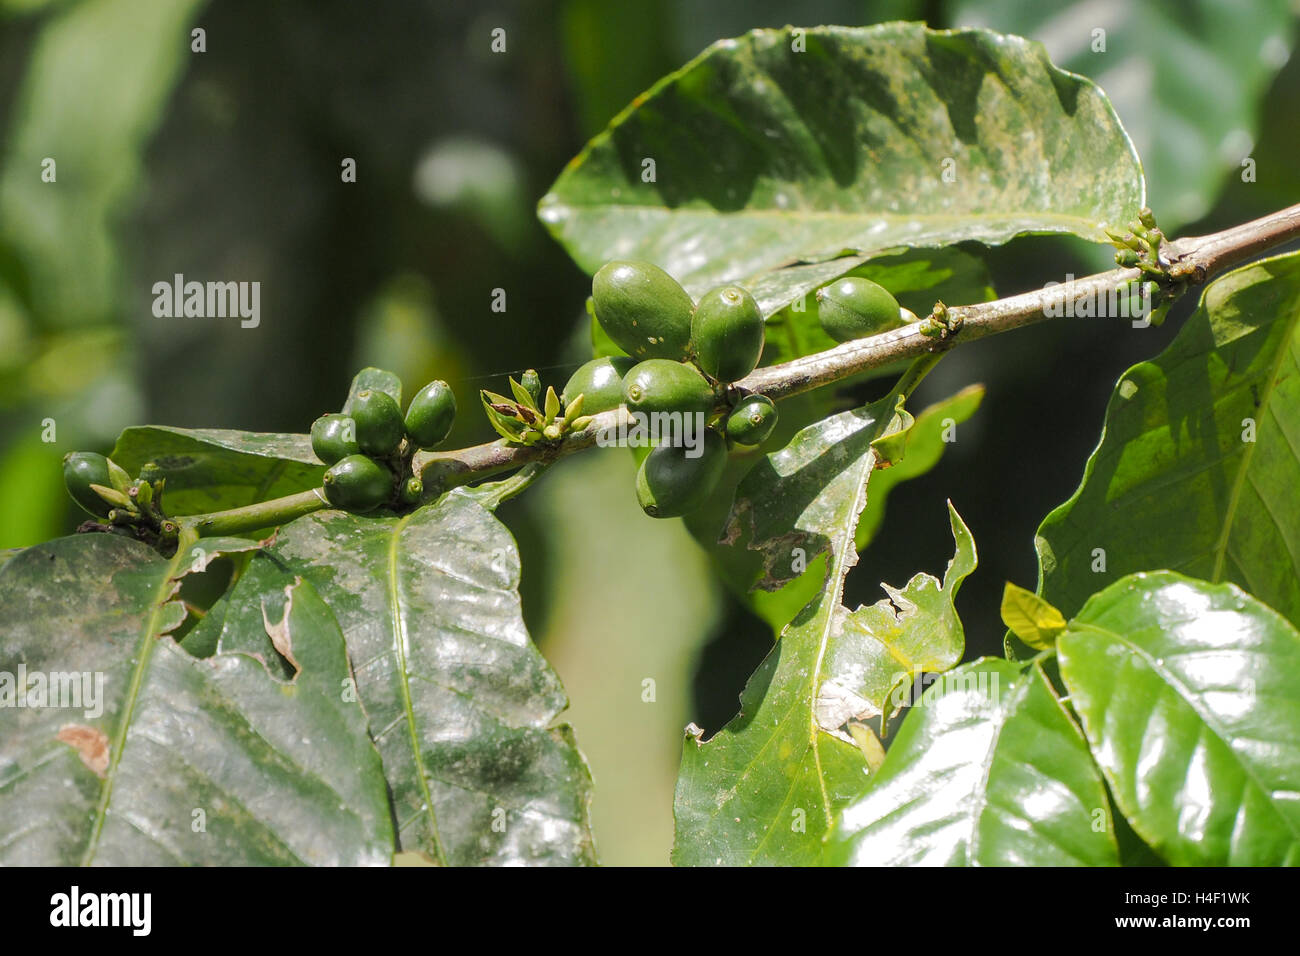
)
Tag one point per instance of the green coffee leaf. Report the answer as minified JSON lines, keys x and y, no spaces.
{"x":765,"y":788}
{"x":1199,"y":459}
{"x":794,"y":503}
{"x":988,"y":769}
{"x":1187,"y":694}
{"x":211,"y":469}
{"x":793,"y":158}
{"x":213,"y":762}
{"x":1187,"y":79}
{"x":462,"y":706}
{"x":741,"y":567}
{"x":237,"y":622}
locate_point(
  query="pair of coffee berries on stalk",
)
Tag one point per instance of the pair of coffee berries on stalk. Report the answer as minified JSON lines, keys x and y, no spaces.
{"x":369,"y":445}
{"x":683,"y":355}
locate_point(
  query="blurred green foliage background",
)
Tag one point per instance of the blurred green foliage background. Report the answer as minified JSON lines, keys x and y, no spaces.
{"x":225,"y":164}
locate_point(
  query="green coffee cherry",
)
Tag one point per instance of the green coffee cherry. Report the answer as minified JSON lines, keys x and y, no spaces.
{"x":662,"y":385}
{"x":600,"y":383}
{"x":430,"y":415}
{"x":752,"y":420}
{"x":671,"y":484}
{"x":379,"y":422}
{"x":358,"y":484}
{"x":81,"y":469}
{"x":334,"y":437}
{"x":854,"y":307}
{"x":643,"y":309}
{"x":412,"y":491}
{"x":727,"y":333}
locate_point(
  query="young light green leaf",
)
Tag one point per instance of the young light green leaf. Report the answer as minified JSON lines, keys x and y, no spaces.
{"x":1199,"y":459}
{"x":523,"y":396}
{"x":176,"y":759}
{"x":503,"y":416}
{"x":112,"y":496}
{"x":988,"y":769}
{"x":462,"y":706}
{"x":1030,"y":618}
{"x":118,"y":476}
{"x":573,"y":411}
{"x":532,"y":384}
{"x":873,"y":751}
{"x":1187,"y":693}
{"x":774,"y":153}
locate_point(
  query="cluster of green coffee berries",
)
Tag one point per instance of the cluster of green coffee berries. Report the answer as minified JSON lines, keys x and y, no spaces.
{"x":682,"y":355}
{"x":369,"y":445}
{"x":104,"y":489}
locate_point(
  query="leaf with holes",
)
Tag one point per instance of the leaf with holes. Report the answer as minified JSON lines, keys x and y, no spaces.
{"x":156,"y":741}
{"x":741,"y":567}
{"x":767,"y":786}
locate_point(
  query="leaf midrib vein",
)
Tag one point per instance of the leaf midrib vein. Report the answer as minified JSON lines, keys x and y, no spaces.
{"x":399,"y":649}
{"x":1064,"y":219}
{"x":144,"y":653}
{"x":847,"y":540}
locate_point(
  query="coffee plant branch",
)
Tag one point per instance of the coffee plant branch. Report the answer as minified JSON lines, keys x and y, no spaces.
{"x":1190,"y":261}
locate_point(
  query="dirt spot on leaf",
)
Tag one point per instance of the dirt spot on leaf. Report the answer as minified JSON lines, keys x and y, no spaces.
{"x":90,"y":742}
